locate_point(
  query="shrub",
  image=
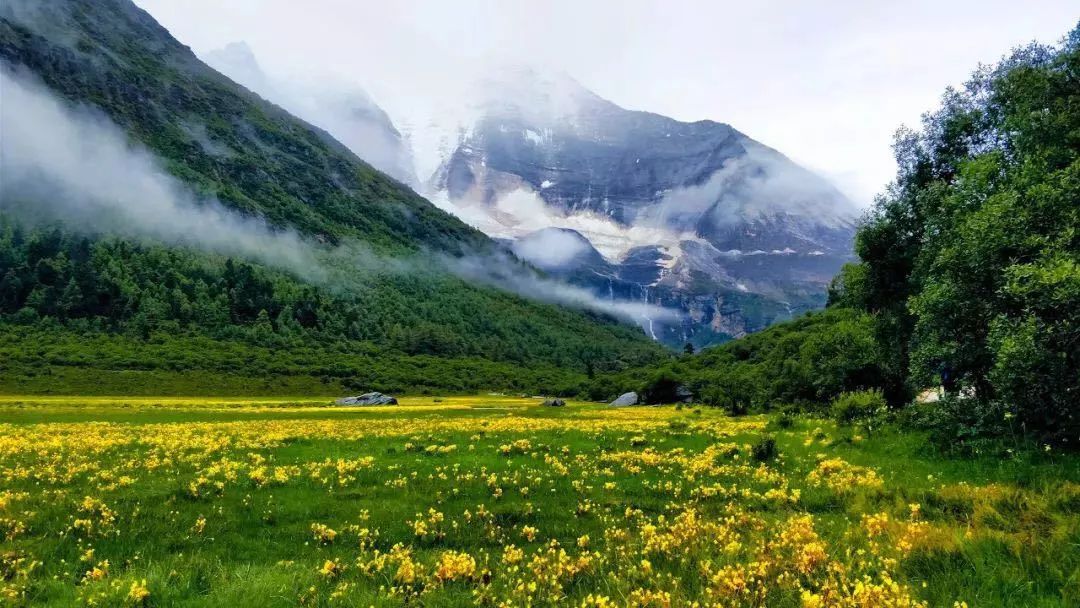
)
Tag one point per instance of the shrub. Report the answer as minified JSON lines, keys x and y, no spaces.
{"x":663,"y":387}
{"x":736,"y":408}
{"x":857,"y":405}
{"x":965,"y":426}
{"x":682,"y":425}
{"x":783,"y":421}
{"x":764,"y":450}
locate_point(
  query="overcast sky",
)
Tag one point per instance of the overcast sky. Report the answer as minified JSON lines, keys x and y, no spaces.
{"x":826,"y":83}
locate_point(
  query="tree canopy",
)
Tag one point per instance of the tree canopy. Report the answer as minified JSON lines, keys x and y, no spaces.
{"x":971,"y":261}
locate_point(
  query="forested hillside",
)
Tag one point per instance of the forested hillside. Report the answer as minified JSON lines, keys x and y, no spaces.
{"x":968,"y":279}
{"x":59,"y":291}
{"x":68,"y":290}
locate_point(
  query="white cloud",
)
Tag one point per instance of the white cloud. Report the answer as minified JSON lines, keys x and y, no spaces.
{"x":825,"y":83}
{"x":550,"y":249}
{"x":759,"y":183}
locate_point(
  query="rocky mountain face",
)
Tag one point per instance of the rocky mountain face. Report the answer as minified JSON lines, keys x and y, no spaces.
{"x":348,"y":113}
{"x":696,"y":216}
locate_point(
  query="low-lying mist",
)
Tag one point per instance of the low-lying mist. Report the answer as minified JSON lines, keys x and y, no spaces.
{"x":760,"y":183}
{"x":70,"y":164}
{"x":509,"y":274}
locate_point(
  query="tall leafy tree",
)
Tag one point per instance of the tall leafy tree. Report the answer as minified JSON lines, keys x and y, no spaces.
{"x":971,"y":261}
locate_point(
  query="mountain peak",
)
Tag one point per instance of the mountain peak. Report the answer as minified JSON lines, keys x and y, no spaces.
{"x":531,"y":88}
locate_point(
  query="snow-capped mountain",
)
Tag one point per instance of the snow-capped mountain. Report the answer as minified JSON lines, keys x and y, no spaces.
{"x":696,"y":216}
{"x":348,"y":113}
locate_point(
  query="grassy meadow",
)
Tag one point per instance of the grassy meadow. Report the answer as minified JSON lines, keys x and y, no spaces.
{"x":499,"y":501}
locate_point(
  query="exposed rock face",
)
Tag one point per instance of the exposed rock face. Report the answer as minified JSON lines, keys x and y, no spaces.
{"x":367,"y":399}
{"x":625,"y":399}
{"x":633,"y":205}
{"x":554,"y":403}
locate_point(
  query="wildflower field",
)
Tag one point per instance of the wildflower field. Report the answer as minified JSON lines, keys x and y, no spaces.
{"x":495,"y":501}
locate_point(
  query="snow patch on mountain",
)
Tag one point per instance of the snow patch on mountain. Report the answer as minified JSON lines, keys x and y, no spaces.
{"x":521,"y":212}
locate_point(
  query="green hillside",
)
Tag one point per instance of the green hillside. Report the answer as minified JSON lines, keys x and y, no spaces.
{"x":90,"y":311}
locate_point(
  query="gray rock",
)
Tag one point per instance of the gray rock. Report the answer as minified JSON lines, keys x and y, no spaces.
{"x":367,"y":399}
{"x":625,"y":399}
{"x":554,"y":402}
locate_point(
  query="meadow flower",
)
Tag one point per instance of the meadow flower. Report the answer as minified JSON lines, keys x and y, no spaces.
{"x":331,"y":568}
{"x":455,"y":565}
{"x":138,"y":593}
{"x":875,"y":524}
{"x":632,"y":523}
{"x":323,"y":534}
{"x":529,"y":533}
{"x":98,"y":572}
{"x":512,"y":555}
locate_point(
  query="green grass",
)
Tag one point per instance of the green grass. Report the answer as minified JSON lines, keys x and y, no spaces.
{"x":1002,"y":532}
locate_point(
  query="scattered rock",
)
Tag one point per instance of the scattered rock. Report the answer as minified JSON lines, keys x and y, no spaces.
{"x":625,"y":399}
{"x":367,"y":399}
{"x":554,"y":402}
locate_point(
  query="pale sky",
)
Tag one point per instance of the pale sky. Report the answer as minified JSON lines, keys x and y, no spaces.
{"x":826,"y":83}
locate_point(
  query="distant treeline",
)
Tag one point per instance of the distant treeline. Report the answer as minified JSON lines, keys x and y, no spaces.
{"x":91,"y":300}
